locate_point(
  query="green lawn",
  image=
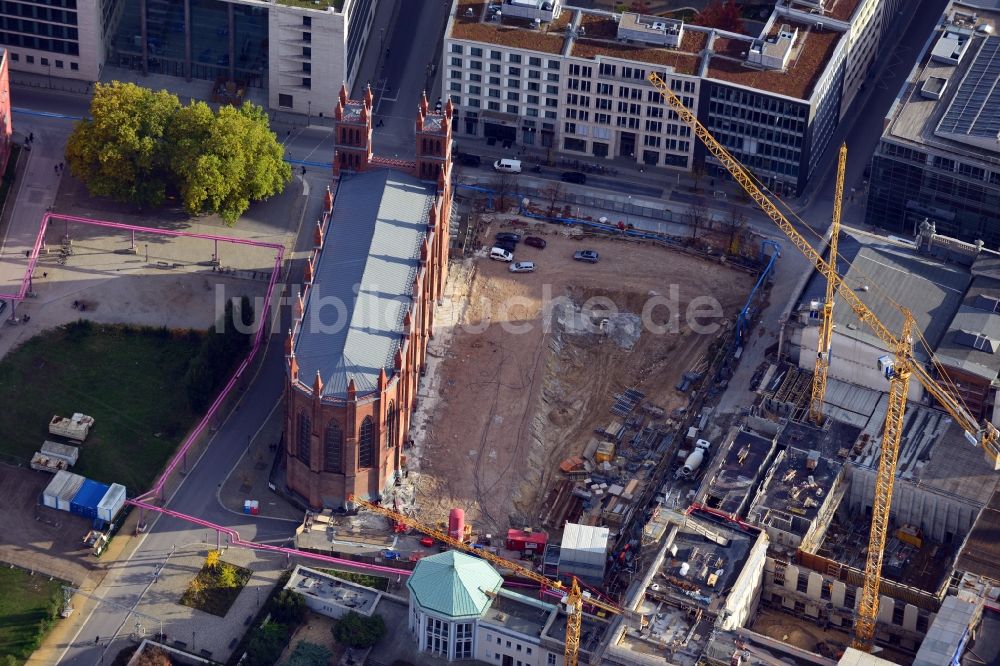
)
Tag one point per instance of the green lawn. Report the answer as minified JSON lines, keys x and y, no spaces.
{"x":130,"y":380}
{"x":27,"y":604}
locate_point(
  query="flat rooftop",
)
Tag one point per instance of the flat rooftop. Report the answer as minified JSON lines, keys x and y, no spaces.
{"x":363,"y":280}
{"x":709,"y":557}
{"x":519,"y":613}
{"x":886,"y":272}
{"x":331,"y":590}
{"x":593,"y":34}
{"x":916,"y":118}
{"x":972,"y":341}
{"x":592,"y":630}
{"x":980,"y":554}
{"x":834,"y":440}
{"x":746,"y":459}
{"x":933,"y":453}
{"x":810,"y":54}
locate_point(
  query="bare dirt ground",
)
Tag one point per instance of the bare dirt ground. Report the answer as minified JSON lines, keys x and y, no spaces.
{"x":514,"y":403}
{"x":37,"y":537}
{"x":165,"y":282}
{"x":806,"y":634}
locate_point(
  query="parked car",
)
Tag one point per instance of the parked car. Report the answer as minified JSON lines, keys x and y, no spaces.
{"x":507,"y":166}
{"x":590,"y":256}
{"x":468,"y":159}
{"x":510,"y":246}
{"x":535,"y":241}
{"x":508,"y":237}
{"x":574,"y":177}
{"x":522,"y":267}
{"x":500,"y":254}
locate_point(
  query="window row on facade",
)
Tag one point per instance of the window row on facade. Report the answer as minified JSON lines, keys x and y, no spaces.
{"x":44,"y":62}
{"x":941,"y":163}
{"x":332,"y":439}
{"x":13,"y":39}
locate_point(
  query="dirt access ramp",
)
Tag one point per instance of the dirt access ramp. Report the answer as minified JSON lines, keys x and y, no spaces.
{"x":528,"y":375}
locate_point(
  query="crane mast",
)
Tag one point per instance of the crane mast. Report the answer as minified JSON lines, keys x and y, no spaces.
{"x":898,"y":369}
{"x":826,"y":320}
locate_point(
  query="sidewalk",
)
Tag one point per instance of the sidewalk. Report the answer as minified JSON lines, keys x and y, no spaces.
{"x":249,"y":479}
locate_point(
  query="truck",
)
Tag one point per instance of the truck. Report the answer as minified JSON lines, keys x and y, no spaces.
{"x":76,"y":427}
{"x":695,"y":458}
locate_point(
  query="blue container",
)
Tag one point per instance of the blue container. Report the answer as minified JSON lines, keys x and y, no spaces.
{"x":87,"y":498}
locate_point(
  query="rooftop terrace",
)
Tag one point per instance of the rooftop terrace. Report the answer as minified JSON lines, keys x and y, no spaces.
{"x":519,"y":613}
{"x":331,"y":590}
{"x":592,"y":34}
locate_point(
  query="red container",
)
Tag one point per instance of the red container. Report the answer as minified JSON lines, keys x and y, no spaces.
{"x":521,"y":541}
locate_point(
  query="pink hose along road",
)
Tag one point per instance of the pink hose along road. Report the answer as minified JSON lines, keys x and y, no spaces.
{"x":157,"y":489}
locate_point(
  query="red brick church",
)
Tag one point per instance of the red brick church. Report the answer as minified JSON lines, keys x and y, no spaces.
{"x":363,"y":320}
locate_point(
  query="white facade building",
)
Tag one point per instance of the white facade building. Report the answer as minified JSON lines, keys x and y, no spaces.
{"x":459,"y":612}
{"x":574,"y":80}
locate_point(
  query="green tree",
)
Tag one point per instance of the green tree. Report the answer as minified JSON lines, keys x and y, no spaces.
{"x":309,"y":654}
{"x":288,"y":607}
{"x":225,"y":161}
{"x":119,"y":151}
{"x":266,"y":644}
{"x":221,"y":350}
{"x":359,"y":631}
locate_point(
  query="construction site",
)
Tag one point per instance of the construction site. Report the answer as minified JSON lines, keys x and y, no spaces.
{"x":578,"y":387}
{"x":847,"y":510}
{"x":848,"y":515}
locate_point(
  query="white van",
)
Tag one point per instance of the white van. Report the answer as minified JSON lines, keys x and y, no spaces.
{"x":501,"y":254}
{"x":507,"y":166}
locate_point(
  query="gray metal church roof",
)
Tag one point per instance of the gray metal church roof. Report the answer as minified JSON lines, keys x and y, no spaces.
{"x":363,"y":280}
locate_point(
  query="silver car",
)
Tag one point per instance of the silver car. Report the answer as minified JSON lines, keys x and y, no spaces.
{"x":522,"y":267}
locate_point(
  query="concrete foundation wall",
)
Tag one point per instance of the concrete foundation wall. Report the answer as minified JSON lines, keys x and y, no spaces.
{"x":943,"y":518}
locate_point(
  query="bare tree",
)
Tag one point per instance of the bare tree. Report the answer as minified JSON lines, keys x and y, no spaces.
{"x":697,"y":216}
{"x":502,"y":184}
{"x":698,"y":173}
{"x":552,"y":194}
{"x":736,"y":223}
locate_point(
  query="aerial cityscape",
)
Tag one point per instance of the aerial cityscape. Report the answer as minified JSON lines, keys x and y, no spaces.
{"x":515,"y":332}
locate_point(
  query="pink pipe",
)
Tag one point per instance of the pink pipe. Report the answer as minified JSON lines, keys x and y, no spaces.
{"x":235,"y":540}
{"x":258,"y":338}
{"x":210,"y":414}
{"x":46,"y":219}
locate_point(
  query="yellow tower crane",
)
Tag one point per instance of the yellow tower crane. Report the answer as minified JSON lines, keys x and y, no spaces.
{"x":826,"y":320}
{"x":574,"y":598}
{"x":898,"y":369}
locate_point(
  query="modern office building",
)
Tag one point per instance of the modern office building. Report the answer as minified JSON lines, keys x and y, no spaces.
{"x":539,"y":73}
{"x":939,"y":157}
{"x":281,"y":45}
{"x":362,"y":324}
